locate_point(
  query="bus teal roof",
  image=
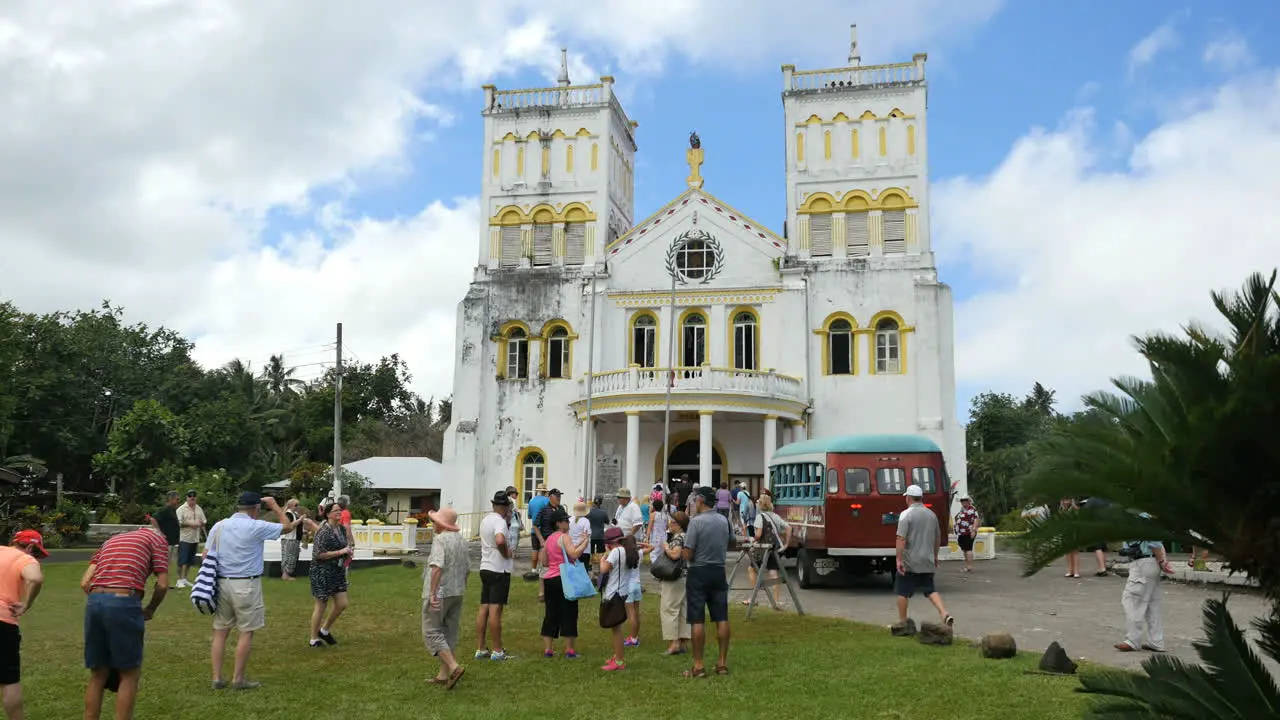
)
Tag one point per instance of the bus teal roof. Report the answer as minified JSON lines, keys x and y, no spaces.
{"x":860,"y":444}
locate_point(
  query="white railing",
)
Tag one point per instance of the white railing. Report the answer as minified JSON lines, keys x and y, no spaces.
{"x":696,"y":379}
{"x":857,"y":76}
{"x":547,"y":97}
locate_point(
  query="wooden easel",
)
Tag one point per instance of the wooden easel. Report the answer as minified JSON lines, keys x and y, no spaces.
{"x":761,"y":581}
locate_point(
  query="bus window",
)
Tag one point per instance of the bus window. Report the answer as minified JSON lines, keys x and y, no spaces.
{"x":857,"y":481}
{"x":800,"y":483}
{"x":833,"y":481}
{"x":926,"y":478}
{"x":891,"y":481}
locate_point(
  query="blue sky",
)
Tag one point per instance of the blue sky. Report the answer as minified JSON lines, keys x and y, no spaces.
{"x":1030,"y":66}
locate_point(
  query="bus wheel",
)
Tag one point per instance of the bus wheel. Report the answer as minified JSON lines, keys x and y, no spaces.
{"x":804,"y":569}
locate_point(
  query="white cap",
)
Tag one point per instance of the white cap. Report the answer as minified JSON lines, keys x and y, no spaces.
{"x":914,"y":491}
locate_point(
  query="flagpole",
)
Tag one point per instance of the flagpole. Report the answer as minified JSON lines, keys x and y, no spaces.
{"x":671,"y":379}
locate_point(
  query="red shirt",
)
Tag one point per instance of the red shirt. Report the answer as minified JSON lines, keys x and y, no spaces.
{"x":128,"y":559}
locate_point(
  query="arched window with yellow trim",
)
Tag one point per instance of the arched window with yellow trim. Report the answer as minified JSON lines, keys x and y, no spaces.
{"x":575,"y":236}
{"x":531,"y":472}
{"x":839,"y":351}
{"x":557,"y":350}
{"x":510,"y":220}
{"x":820,"y":229}
{"x":893,"y":208}
{"x":693,"y":339}
{"x":644,"y":339}
{"x":513,"y":351}
{"x":543,"y":232}
{"x":888,"y":347}
{"x":857,"y":223}
{"x":746,"y":340}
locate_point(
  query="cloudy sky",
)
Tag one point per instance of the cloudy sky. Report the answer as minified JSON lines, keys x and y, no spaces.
{"x":252,"y":171}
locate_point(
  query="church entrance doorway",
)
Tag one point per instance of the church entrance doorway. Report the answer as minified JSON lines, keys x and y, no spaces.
{"x":684,"y":461}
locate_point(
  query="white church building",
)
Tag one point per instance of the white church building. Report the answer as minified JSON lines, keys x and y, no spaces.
{"x":582,"y":325}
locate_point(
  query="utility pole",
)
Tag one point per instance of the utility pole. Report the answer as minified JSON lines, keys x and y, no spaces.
{"x":337,"y":420}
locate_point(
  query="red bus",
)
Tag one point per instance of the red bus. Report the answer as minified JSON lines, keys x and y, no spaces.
{"x":843,"y":496}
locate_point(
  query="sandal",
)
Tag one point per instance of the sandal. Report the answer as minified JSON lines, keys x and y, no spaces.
{"x":695,"y":673}
{"x":454,"y":677}
{"x":436,"y":681}
{"x":722,"y":669}
{"x":674,"y":652}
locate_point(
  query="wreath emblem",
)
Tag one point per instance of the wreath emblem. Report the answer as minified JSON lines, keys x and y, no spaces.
{"x":712,"y":245}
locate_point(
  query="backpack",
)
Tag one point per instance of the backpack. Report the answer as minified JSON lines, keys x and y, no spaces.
{"x":750,"y":518}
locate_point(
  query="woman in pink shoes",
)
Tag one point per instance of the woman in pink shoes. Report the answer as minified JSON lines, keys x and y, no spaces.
{"x":560,"y":615}
{"x":622,"y":565}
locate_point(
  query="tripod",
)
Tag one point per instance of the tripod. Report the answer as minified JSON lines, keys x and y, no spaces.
{"x":770,"y":553}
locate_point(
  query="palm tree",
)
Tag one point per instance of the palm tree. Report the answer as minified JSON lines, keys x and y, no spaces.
{"x":1194,"y":449}
{"x":279,"y":377}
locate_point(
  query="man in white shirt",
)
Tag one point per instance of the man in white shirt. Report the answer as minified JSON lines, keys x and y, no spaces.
{"x":191,"y":522}
{"x":495,"y":577}
{"x":628,"y":516}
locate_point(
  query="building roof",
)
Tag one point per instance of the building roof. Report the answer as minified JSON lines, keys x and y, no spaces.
{"x":860,"y":444}
{"x":393,"y":473}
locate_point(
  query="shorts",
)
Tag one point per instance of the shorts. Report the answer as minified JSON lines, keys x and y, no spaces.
{"x":634,"y":593}
{"x":495,"y":587}
{"x":113,"y":632}
{"x":10,"y":655}
{"x":597,"y":546}
{"x":187,"y":555}
{"x":1096,"y":548}
{"x":906,"y":584}
{"x":240,"y":605}
{"x":706,"y":592}
{"x":536,"y":543}
{"x":440,"y":628}
{"x":767,"y":559}
{"x":965,"y":542}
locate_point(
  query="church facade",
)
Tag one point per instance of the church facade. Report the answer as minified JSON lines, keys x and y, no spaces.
{"x":582,"y":326}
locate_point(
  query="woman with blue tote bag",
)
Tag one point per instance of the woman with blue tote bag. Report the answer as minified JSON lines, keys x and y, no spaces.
{"x":560,"y":613}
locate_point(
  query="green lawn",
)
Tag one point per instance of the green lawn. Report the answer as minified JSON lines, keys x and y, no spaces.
{"x":782,"y":666}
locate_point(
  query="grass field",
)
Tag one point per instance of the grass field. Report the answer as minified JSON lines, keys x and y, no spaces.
{"x":782,"y":666}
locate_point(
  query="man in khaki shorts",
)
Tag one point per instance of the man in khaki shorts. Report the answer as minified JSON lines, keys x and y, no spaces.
{"x":238,"y":544}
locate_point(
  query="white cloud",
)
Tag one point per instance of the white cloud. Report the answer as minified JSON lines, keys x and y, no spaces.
{"x":1161,"y":39}
{"x":143,"y":144}
{"x":1228,"y":53}
{"x":1077,"y":259}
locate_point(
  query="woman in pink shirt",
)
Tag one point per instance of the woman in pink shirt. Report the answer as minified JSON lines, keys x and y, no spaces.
{"x":560,"y":615}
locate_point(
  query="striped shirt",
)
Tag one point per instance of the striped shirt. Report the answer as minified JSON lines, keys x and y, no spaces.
{"x":128,"y":559}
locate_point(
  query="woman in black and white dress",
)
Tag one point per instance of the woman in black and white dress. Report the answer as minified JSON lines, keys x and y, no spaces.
{"x":329,"y":549}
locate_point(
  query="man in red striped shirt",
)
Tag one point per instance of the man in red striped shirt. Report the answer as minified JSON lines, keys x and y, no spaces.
{"x":114,"y":618}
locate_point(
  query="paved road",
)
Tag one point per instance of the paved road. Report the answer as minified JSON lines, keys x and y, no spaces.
{"x":1083,"y":615}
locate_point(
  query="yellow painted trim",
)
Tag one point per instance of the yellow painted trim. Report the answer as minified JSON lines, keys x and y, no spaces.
{"x":733,"y":327}
{"x":853,"y":141}
{"x":706,"y":412}
{"x":508,"y":136}
{"x":911,"y":139}
{"x":558,"y":134}
{"x":583,"y":132}
{"x":824,"y":332}
{"x":631,"y":412}
{"x":568,"y":159}
{"x":903,"y":330}
{"x":595,"y":156}
{"x":657,"y":401}
{"x":813,"y":120}
{"x":542,"y":213}
{"x":545,"y":336}
{"x":857,"y":200}
{"x":826,"y":144}
{"x":897,"y":113}
{"x":503,"y":337}
{"x":520,"y":161}
{"x":800,"y":147}
{"x":546,"y":159}
{"x":707,"y":335}
{"x":770,"y":417}
{"x":497,"y":161}
{"x":533,"y":135}
{"x":840,"y":117}
{"x":631,"y":336}
{"x":884,"y":141}
{"x":867,"y":115}
{"x":524,"y":453}
{"x":679,"y":438}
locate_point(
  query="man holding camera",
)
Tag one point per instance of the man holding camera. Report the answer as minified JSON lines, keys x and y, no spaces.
{"x":1141,"y":596}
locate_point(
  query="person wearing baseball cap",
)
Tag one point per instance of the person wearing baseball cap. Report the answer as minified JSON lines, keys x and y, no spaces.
{"x":919,"y":537}
{"x":495,"y":577}
{"x":20,"y":583}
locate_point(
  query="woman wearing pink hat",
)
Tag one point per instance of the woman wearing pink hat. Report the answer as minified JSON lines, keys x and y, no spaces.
{"x":443,"y":586}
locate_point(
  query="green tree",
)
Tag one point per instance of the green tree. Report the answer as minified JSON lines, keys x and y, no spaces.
{"x":1000,"y":430}
{"x":1194,"y":449}
{"x":146,"y":439}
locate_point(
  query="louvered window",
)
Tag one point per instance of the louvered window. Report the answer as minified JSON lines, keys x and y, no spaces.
{"x":856,"y":234}
{"x":542,"y":245}
{"x":895,"y":232}
{"x":575,"y":242}
{"x":820,"y":235}
{"x":510,"y":246}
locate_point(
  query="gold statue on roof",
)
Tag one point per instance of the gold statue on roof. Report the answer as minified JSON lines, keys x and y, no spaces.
{"x":694,"y":156}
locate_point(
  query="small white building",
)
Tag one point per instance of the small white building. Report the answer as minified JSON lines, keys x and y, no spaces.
{"x":569,"y":336}
{"x":407,"y":485}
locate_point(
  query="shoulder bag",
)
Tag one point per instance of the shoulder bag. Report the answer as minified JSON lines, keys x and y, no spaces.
{"x":573,"y":577}
{"x":204,"y":593}
{"x":613,"y":611}
{"x":664,"y":568}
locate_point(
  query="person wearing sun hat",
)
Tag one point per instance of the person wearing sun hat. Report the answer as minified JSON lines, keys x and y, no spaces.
{"x":20,"y":583}
{"x":444,"y":585}
{"x":580,"y":530}
{"x":495,"y":577}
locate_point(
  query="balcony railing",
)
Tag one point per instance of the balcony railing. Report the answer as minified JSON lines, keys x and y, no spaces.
{"x":758,"y":383}
{"x":573,"y":96}
{"x":851,"y":77}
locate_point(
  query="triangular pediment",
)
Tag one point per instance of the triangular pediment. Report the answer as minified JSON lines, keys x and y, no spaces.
{"x":710,"y":212}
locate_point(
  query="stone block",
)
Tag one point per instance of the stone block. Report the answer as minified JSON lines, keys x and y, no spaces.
{"x":1055,"y":660}
{"x":409,"y":563}
{"x":998,"y":646}
{"x":903,"y":629}
{"x":935,"y":634}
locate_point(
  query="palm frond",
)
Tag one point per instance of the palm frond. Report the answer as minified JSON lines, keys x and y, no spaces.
{"x":1226,"y":654}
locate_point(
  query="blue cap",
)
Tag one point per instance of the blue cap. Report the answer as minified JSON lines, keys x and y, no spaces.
{"x":249,"y":498}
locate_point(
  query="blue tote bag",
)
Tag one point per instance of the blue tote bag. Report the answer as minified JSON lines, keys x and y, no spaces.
{"x":573,"y":577}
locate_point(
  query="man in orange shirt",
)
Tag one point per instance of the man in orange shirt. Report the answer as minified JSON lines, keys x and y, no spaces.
{"x":20,"y":581}
{"x":345,"y":519}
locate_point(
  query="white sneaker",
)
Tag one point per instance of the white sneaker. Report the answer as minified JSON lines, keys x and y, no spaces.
{"x":183,"y":583}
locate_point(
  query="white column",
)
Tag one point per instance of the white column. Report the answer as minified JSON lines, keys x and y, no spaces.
{"x":770,"y":440}
{"x":706,"y":451}
{"x":633,"y":452}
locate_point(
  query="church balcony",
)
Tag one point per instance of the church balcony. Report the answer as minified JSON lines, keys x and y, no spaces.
{"x":763,"y":392}
{"x":859,"y":76}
